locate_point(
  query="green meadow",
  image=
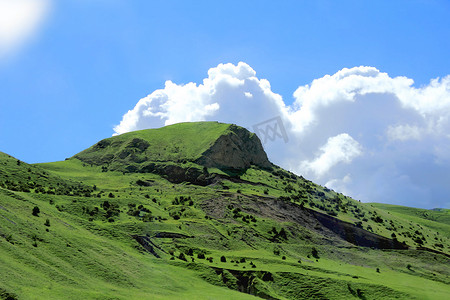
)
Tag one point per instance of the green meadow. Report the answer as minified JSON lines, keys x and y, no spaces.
{"x":89,"y":228}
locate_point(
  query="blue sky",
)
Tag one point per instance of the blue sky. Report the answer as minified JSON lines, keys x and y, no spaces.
{"x":73,"y":74}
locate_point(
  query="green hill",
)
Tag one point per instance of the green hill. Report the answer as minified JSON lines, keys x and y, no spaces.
{"x":196,"y":211}
{"x":210,"y":144}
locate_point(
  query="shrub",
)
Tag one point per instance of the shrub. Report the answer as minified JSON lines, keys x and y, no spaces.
{"x":377,"y":219}
{"x":267,"y":276}
{"x":360,"y":293}
{"x":47,"y":223}
{"x":36,"y":211}
{"x":201,"y":256}
{"x":6,"y":295}
{"x":9,"y":239}
{"x":182,"y":257}
{"x":282,"y":234}
{"x":147,"y":217}
{"x":315,"y":253}
{"x":223,"y":259}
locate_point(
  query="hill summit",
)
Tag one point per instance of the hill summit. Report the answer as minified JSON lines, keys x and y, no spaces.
{"x":209,"y":144}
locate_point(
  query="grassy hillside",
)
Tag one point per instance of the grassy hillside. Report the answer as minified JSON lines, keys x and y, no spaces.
{"x":437,"y":220}
{"x":177,"y":143}
{"x":16,"y":175}
{"x":258,"y":233}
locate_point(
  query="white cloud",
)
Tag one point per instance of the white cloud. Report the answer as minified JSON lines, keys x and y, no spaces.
{"x":402,"y":129}
{"x":231,"y":93}
{"x":19,"y":21}
{"x":340,"y":148}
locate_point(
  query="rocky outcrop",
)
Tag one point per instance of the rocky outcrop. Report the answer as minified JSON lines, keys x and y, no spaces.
{"x":239,"y":149}
{"x":233,"y":150}
{"x":178,"y":174}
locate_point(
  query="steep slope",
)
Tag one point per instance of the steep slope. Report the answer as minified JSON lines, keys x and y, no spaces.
{"x":251,"y":228}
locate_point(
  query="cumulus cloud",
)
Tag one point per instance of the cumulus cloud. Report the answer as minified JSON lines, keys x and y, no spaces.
{"x":230,"y":93}
{"x":19,"y":21}
{"x":360,"y":131}
{"x":340,"y":148}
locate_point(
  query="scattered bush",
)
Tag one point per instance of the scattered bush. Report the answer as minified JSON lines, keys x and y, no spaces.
{"x":223,"y":259}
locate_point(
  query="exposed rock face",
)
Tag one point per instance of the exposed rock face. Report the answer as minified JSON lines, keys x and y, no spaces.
{"x":239,"y":149}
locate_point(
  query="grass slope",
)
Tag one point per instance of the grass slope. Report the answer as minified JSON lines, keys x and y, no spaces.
{"x":139,"y":236}
{"x":176,"y":143}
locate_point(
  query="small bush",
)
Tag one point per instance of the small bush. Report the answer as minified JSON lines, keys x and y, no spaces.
{"x":9,"y":239}
{"x":267,"y":276}
{"x":201,"y":256}
{"x":47,"y":223}
{"x":223,"y":259}
{"x":6,"y":295}
{"x":36,"y":211}
{"x":315,"y":253}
